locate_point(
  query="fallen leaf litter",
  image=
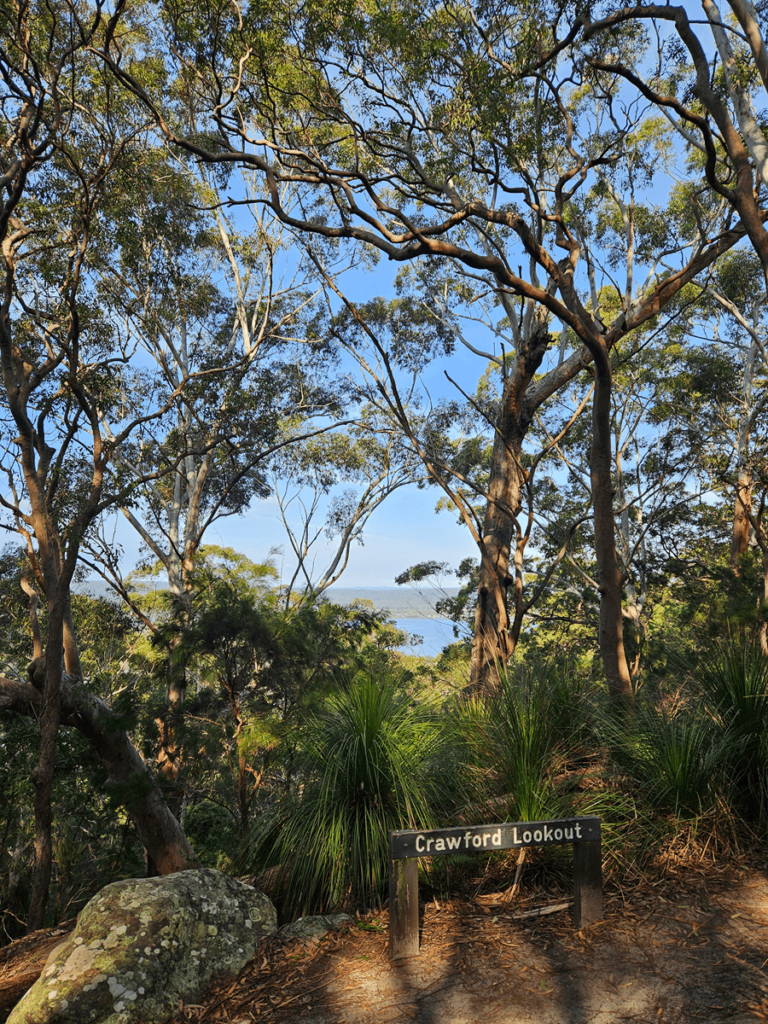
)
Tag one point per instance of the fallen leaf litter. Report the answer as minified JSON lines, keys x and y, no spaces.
{"x":646,"y":962}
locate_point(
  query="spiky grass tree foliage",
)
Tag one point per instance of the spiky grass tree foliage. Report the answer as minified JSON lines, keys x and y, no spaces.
{"x":368,"y":763}
{"x":518,"y":740}
{"x":734,"y":686}
{"x":674,"y":758}
{"x":709,"y":754}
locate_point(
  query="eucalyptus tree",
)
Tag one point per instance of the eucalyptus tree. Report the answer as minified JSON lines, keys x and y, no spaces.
{"x":66,"y":141}
{"x":444,"y":132}
{"x":736,"y":303}
{"x":236,"y":313}
{"x":224,"y":638}
{"x":654,"y":489}
{"x":717,"y":399}
{"x":229,"y":367}
{"x":708,"y":76}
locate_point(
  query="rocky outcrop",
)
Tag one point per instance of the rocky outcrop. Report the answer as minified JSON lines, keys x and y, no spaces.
{"x":141,"y":945}
{"x":312,"y":929}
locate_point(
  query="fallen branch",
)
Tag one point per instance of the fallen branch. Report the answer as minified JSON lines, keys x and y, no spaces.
{"x":543,"y":911}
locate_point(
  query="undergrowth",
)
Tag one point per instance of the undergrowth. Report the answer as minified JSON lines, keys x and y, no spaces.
{"x":678,"y":775}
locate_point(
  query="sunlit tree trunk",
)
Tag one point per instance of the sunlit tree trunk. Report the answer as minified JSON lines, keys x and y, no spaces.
{"x":611,"y":629}
{"x":743,"y":499}
{"x":761,"y":537}
{"x":764,"y":623}
{"x":493,"y":644}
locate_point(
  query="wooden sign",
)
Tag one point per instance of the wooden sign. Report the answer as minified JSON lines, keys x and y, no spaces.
{"x":407,"y":846}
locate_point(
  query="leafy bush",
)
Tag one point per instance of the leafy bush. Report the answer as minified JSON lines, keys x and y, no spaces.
{"x":213,"y":834}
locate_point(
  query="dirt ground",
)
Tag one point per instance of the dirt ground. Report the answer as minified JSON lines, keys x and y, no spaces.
{"x":690,"y":946}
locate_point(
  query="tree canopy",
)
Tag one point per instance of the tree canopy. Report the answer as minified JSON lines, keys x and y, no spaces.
{"x":237,"y":240}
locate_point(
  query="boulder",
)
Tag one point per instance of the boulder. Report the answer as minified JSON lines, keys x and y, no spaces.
{"x":141,"y":945}
{"x":22,"y":962}
{"x":312,"y":929}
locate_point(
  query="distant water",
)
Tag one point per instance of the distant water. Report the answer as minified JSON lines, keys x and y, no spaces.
{"x":436,"y":633}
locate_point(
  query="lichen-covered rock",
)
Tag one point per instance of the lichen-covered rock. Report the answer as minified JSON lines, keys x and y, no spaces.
{"x":312,"y":929}
{"x":143,"y":944}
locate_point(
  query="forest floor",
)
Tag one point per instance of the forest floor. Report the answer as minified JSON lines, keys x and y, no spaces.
{"x":691,"y":945}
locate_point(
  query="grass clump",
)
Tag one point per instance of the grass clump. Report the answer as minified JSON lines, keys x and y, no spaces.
{"x":686,"y":773}
{"x":368,"y":763}
{"x":518,"y":741}
{"x":671,"y":758}
{"x":734,"y":688}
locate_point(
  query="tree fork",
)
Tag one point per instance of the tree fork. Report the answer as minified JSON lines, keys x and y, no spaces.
{"x":493,"y":643}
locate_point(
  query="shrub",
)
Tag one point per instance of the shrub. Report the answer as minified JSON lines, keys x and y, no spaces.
{"x":366,"y":764}
{"x":517,"y":741}
{"x":213,"y":834}
{"x":673,"y":758}
{"x":734,"y":685}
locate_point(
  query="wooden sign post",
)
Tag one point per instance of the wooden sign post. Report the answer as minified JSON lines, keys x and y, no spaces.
{"x":406,"y":847}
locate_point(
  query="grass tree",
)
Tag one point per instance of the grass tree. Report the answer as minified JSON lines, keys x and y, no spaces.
{"x":368,"y":762}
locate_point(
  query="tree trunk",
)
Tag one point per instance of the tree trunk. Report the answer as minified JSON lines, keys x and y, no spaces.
{"x":741,"y":525}
{"x":763,"y":632}
{"x":72,"y":664}
{"x":493,"y":644}
{"x":170,"y":756}
{"x":170,"y":753}
{"x":128,"y":777}
{"x":743,"y":501}
{"x":42,"y":773}
{"x":43,"y":853}
{"x":611,"y":630}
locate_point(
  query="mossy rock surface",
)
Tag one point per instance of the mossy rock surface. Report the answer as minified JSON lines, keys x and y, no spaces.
{"x":312,"y":929}
{"x":141,"y":945}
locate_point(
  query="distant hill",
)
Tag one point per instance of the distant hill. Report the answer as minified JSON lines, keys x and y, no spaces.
{"x":95,"y":588}
{"x":399,"y":602}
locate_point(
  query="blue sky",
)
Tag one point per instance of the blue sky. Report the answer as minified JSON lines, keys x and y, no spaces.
{"x":404,"y":530}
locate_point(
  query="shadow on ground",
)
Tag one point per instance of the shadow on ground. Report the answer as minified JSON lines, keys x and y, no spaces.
{"x":685,"y":949}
